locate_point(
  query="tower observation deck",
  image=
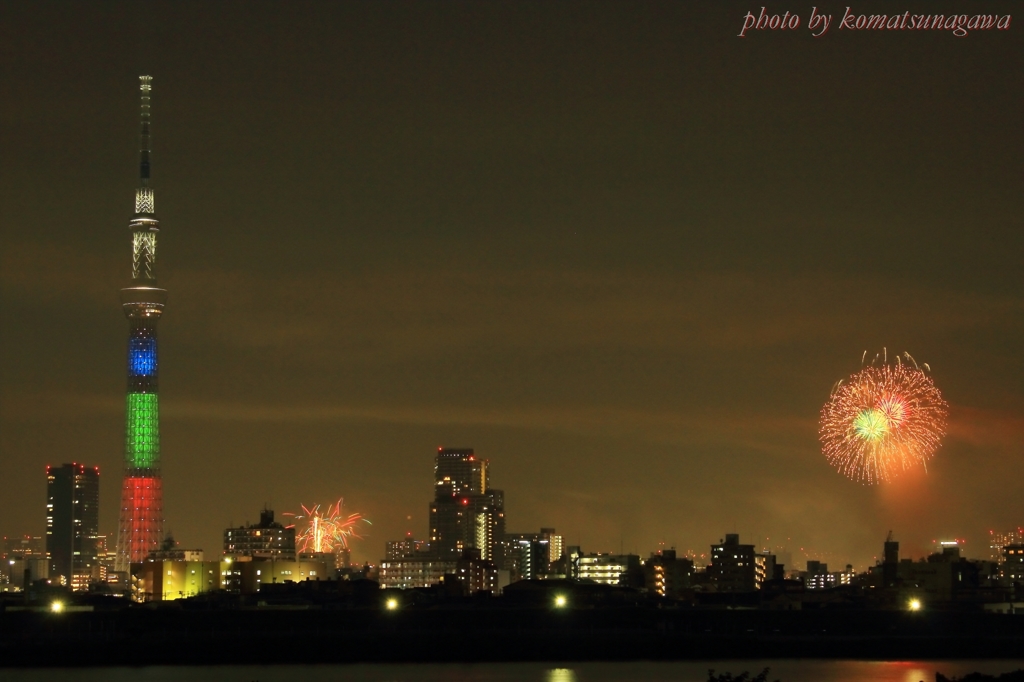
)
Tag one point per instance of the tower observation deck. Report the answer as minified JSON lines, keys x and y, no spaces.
{"x":140,"y":528}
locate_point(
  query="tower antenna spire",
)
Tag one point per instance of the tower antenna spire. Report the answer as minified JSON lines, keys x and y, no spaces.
{"x":144,"y":200}
{"x":145,"y":88}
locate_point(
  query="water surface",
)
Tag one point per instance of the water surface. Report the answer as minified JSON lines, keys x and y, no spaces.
{"x":682,"y":671}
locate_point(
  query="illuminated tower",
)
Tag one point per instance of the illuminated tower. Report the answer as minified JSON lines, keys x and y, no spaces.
{"x":141,"y":524}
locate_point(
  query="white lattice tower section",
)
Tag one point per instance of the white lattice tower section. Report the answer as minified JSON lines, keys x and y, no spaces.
{"x":143,"y":255}
{"x":144,"y":200}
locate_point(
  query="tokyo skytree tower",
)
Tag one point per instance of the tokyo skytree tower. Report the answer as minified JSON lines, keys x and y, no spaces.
{"x":140,"y":528}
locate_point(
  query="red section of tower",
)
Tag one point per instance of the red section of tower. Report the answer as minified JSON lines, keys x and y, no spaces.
{"x":141,"y":516}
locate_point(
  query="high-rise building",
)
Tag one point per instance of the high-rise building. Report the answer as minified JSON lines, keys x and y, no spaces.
{"x":764,"y":568}
{"x":997,"y":541}
{"x":72,"y":524}
{"x":466,"y":513}
{"x":140,"y":528}
{"x":530,"y":555}
{"x":458,"y":471}
{"x":1013,"y":562}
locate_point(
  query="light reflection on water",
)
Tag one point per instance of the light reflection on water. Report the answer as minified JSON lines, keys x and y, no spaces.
{"x":560,"y":675}
{"x":643,"y":671}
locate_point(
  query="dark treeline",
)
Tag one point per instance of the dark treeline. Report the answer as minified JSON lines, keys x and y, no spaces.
{"x":144,"y":636}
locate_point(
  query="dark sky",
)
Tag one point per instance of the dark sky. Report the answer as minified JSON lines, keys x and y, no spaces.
{"x":617,"y":249}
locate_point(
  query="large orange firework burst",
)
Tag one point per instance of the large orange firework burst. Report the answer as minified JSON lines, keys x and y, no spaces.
{"x":326,"y":531}
{"x":887,"y":418}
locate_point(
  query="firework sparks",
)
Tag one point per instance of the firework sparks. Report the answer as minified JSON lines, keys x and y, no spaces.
{"x":327,"y":531}
{"x":885,"y":419}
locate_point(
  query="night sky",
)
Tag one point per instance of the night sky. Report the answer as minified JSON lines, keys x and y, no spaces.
{"x":618,"y":250}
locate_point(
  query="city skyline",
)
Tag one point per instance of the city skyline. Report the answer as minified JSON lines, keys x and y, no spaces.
{"x":624,"y":259}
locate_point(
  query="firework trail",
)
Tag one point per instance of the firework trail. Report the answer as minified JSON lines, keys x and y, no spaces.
{"x":885,"y":419}
{"x":326,"y":531}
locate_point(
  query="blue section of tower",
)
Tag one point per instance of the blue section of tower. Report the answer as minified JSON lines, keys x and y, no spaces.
{"x":141,"y":356}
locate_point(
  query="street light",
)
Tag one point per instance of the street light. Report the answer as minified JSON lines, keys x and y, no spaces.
{"x":914,"y":605}
{"x":561,"y":601}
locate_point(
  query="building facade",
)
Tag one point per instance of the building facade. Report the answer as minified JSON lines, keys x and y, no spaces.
{"x":410,"y":573}
{"x":169,"y":579}
{"x":605,"y":569}
{"x":998,"y":540}
{"x":530,"y":555}
{"x":72,"y":524}
{"x":23,"y":560}
{"x":266,"y":540}
{"x":466,"y":513}
{"x":733,"y":567}
{"x":1013,"y":563}
{"x":667,"y":575}
{"x":140,"y":524}
{"x":406,"y":549}
{"x":258,"y":572}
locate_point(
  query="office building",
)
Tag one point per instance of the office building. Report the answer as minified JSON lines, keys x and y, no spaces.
{"x":466,"y":512}
{"x":72,"y":524}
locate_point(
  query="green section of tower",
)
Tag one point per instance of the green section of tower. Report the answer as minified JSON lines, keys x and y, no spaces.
{"x":142,"y":431}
